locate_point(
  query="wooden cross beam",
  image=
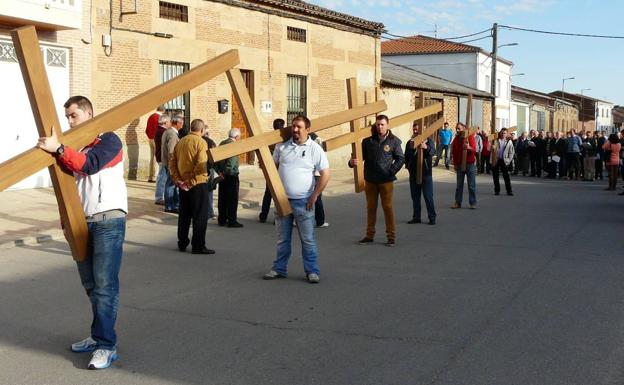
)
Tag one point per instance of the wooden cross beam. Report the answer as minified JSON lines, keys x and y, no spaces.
{"x":278,"y":136}
{"x":356,"y":148}
{"x":260,"y":141}
{"x":31,"y":161}
{"x":365,"y":132}
{"x":467,"y":132}
{"x":420,"y":155}
{"x":264,"y":154}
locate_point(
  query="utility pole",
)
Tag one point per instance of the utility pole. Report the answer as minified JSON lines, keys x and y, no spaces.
{"x":493,"y":76}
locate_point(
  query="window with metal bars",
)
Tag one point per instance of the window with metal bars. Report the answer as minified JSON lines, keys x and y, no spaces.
{"x":296,"y":34}
{"x":171,"y":11}
{"x":297,"y":96}
{"x":180,"y":104}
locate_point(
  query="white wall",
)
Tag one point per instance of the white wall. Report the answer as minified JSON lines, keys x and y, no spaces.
{"x":604,"y":116}
{"x":458,"y":67}
{"x":21,"y":133}
{"x":469,"y":69}
{"x":503,"y":100}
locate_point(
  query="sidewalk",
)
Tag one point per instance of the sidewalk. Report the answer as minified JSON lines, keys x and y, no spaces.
{"x":29,"y":217}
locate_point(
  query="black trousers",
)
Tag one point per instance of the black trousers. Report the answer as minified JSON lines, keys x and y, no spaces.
{"x":496,"y":169}
{"x":598,"y":165}
{"x":228,"y":199}
{"x":193,"y":208}
{"x":266,"y":203}
{"x":536,"y":165}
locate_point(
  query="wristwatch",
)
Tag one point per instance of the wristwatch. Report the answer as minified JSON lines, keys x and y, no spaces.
{"x":60,"y":150}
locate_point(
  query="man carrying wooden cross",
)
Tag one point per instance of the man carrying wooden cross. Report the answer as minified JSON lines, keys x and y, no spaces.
{"x":99,"y":173}
{"x":383,"y":158}
{"x":502,"y":155}
{"x":459,"y":145}
{"x":297,"y":160}
{"x":425,"y":187}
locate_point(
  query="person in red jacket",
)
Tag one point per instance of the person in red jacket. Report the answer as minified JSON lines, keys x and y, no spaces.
{"x":150,"y":131}
{"x":458,"y":146}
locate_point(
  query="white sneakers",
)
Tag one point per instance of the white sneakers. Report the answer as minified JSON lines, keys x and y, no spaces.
{"x":313,"y":278}
{"x":86,"y":345}
{"x":101,"y":359}
{"x":324,"y":225}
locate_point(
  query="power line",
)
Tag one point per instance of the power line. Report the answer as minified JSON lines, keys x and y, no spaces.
{"x":447,"y":38}
{"x":560,"y":33}
{"x":477,"y":39}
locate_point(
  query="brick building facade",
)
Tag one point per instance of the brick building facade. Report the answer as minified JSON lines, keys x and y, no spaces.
{"x":290,"y":51}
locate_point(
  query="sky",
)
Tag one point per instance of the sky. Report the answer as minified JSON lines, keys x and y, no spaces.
{"x":545,"y":60}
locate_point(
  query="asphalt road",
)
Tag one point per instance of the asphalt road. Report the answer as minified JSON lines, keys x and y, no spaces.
{"x":523,"y":290}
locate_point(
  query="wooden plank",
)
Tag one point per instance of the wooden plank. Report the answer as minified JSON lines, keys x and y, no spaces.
{"x":467,"y":132}
{"x":349,"y":137}
{"x":42,"y":103}
{"x":416,"y":114}
{"x":273,"y":137}
{"x":435,"y":126}
{"x":356,"y":146}
{"x":264,"y":154}
{"x":31,"y":161}
{"x":421,"y":155}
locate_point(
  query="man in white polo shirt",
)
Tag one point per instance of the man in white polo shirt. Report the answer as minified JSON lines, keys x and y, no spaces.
{"x":297,"y":159}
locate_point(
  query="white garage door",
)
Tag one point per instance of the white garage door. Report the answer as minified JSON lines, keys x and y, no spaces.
{"x":19,"y":132}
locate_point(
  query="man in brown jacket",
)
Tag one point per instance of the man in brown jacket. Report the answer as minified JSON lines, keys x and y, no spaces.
{"x":189,"y":171}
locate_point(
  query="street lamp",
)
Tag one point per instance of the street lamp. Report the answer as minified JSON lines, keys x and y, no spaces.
{"x":563,"y":84}
{"x":508,"y":45}
{"x":520,"y":74}
{"x":582,"y":112}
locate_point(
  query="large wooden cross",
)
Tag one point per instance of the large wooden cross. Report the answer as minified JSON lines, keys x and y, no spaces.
{"x":356,"y":136}
{"x":260,"y":141}
{"x":40,"y":96}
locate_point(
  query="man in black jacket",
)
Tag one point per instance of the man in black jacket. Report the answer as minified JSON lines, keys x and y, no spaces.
{"x":426,"y":187}
{"x":383,"y":158}
{"x":561,"y":147}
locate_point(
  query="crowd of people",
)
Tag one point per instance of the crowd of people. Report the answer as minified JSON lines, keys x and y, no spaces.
{"x":585,"y":156}
{"x":186,"y":181}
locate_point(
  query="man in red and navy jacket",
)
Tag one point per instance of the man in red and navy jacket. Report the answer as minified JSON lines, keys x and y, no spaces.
{"x":99,"y":172}
{"x":150,"y":131}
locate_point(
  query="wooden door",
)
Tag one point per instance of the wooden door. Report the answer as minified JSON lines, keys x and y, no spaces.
{"x":237,"y":116}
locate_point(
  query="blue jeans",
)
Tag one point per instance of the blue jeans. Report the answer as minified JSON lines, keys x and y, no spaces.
{"x":426,"y":189}
{"x":447,"y":155}
{"x":161,"y":179}
{"x":471,"y":174}
{"x":172,"y":201}
{"x":99,"y":275}
{"x":305,"y":226}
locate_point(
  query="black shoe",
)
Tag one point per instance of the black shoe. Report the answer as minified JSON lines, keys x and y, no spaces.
{"x":173,"y":211}
{"x":447,"y":167}
{"x":622,"y":193}
{"x":235,"y":224}
{"x":203,"y":251}
{"x":221,"y":224}
{"x":509,"y":193}
{"x":182,"y":246}
{"x":414,"y":221}
{"x":496,"y":193}
{"x":390,"y":243}
{"x":365,"y":241}
{"x":432,"y":221}
{"x":262,"y":218}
